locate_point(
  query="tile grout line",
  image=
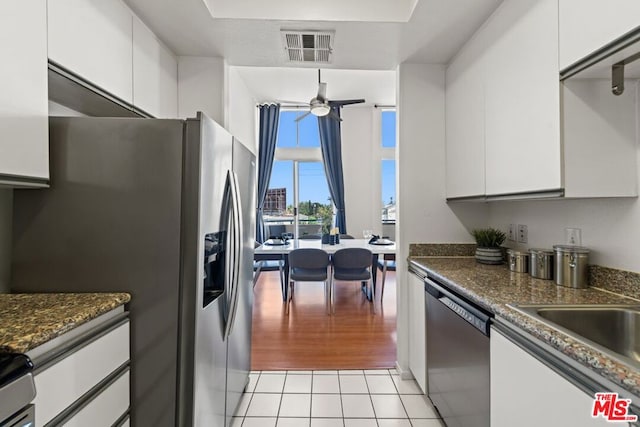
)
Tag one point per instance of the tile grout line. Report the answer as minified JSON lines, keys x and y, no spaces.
{"x":310,"y":399}
{"x":375,"y":416}
{"x":340,"y":393}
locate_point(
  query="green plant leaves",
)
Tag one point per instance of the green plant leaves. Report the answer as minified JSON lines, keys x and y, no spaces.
{"x":488,"y":237}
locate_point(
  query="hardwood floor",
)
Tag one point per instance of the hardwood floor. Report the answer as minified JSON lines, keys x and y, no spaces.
{"x":309,"y":339}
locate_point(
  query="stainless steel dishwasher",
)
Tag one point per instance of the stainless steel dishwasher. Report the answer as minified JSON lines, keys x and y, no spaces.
{"x":457,"y":357}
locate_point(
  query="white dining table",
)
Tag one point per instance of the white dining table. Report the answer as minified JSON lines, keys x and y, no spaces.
{"x":281,"y":252}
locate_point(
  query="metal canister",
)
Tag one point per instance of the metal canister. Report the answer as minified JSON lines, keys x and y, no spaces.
{"x":518,"y":261}
{"x":572,"y":266}
{"x":541,"y":263}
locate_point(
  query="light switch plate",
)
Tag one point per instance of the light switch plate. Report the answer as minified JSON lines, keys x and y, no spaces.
{"x":512,"y":232}
{"x":522,"y":233}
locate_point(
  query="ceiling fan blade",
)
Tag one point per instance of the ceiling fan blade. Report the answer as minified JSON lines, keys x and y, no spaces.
{"x":297,"y":119}
{"x":342,"y":102}
{"x":333,"y":115}
{"x":322,"y":91}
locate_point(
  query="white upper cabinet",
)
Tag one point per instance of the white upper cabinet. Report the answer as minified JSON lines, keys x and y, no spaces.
{"x":503,"y":105}
{"x":24,"y":128}
{"x":514,"y":130}
{"x":155,"y":74}
{"x":465,"y":126}
{"x":522,"y":99}
{"x":587,"y":25}
{"x":93,"y":39}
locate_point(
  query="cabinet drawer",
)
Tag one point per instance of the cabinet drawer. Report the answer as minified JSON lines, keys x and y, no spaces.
{"x":106,"y":408}
{"x":59,"y":385}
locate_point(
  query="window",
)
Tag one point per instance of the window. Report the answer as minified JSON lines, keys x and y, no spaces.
{"x":389,"y":129}
{"x":298,"y":179}
{"x":388,"y":167}
{"x":388,"y":191}
{"x":303,"y":133}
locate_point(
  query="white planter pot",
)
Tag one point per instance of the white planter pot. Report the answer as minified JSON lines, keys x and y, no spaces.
{"x":489,"y":255}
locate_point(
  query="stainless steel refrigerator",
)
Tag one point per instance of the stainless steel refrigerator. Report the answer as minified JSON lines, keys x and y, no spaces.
{"x":164,"y":210}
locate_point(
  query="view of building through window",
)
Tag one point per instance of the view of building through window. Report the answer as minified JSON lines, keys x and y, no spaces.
{"x":311,"y":195}
{"x":313,"y":200}
{"x":388,"y":191}
{"x":388,"y":169}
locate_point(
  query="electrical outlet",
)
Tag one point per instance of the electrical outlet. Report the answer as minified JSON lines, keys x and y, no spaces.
{"x":512,"y":232}
{"x":522,"y":233}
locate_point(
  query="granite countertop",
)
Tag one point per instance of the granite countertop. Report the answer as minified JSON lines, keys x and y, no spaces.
{"x":493,"y":287}
{"x":29,"y":320}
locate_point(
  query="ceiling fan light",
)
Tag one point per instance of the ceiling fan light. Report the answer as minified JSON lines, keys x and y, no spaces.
{"x":319,"y":108}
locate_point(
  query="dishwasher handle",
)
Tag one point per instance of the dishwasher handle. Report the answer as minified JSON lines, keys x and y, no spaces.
{"x":471,"y":314}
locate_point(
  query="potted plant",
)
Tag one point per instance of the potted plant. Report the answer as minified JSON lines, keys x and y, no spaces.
{"x":325,"y":213}
{"x":489,"y":241}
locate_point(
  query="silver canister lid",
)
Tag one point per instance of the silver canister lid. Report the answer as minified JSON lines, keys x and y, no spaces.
{"x":571,"y":249}
{"x":538,"y":251}
{"x":516,"y":252}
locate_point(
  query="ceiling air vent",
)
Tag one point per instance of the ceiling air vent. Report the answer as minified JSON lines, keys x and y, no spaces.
{"x":308,"y":46}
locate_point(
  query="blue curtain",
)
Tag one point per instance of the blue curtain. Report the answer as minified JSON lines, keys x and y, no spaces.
{"x":269,"y":117}
{"x":331,"y":145}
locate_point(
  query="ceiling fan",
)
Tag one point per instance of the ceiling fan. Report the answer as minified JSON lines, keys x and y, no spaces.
{"x":319,"y":105}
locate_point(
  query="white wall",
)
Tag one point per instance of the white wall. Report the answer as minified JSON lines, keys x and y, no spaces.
{"x":241,"y":114}
{"x":610,"y":227}
{"x":201,"y":87}
{"x":422,"y":212}
{"x":361,"y":168}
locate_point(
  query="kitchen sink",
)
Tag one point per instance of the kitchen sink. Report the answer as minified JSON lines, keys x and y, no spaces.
{"x":614,"y":329}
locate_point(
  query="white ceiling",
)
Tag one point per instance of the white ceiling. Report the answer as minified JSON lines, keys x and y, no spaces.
{"x":434,"y":33}
{"x":366,"y":51}
{"x":325,"y":10}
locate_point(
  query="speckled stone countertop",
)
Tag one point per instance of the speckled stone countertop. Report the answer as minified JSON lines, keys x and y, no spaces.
{"x":493,"y":287}
{"x":29,"y":320}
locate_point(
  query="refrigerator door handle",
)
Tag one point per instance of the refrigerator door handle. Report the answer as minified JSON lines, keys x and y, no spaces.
{"x":228,"y":221}
{"x":238,"y":233}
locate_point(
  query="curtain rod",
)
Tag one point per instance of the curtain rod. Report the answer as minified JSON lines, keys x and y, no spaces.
{"x":284,"y":105}
{"x":307,"y":105}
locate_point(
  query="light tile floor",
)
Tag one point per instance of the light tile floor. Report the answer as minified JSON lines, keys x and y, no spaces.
{"x":353,"y":398}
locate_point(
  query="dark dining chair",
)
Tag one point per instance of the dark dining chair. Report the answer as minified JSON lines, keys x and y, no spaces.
{"x":387,"y":263}
{"x":266,"y":263}
{"x":352,"y":265}
{"x":309,"y":265}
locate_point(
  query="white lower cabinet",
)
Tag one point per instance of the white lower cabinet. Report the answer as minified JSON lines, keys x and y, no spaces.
{"x":417,"y":331}
{"x":527,"y":393}
{"x":106,"y":407}
{"x":86,"y":383}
